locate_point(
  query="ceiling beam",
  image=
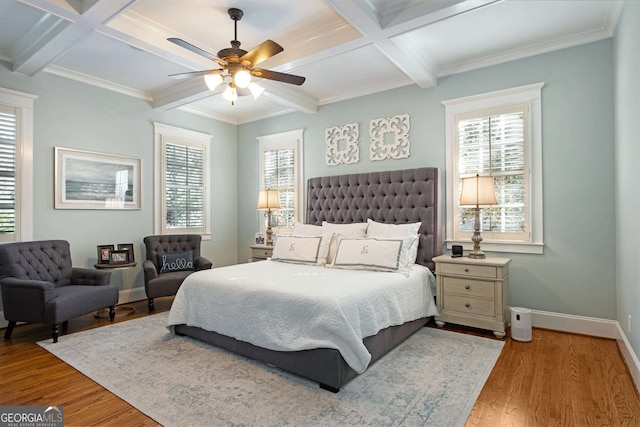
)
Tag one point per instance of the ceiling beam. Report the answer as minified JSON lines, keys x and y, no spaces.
{"x":59,"y":30}
{"x":417,"y":66}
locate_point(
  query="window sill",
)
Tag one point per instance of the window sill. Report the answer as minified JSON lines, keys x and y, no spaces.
{"x":495,"y":246}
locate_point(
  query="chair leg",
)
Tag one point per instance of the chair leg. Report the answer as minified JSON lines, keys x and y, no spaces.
{"x":151,"y":307}
{"x":112,"y":312}
{"x":55,"y":331}
{"x":9,"y":330}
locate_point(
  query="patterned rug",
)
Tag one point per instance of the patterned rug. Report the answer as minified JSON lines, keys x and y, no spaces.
{"x":431,"y":379}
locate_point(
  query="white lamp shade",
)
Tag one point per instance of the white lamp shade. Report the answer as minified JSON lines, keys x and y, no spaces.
{"x":242,"y":78}
{"x":268,"y":200}
{"x":478,"y":190}
{"x":212,"y":80}
{"x":230,"y":94}
{"x":256,"y":90}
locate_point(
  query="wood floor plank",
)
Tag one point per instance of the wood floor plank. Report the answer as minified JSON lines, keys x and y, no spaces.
{"x":557,"y":379}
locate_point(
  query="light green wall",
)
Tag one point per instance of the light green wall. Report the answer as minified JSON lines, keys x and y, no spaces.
{"x":74,"y":115}
{"x":576,"y":273}
{"x":627,"y":59}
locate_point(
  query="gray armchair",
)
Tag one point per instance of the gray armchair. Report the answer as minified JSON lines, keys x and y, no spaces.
{"x":170,"y":259}
{"x":40,"y":285}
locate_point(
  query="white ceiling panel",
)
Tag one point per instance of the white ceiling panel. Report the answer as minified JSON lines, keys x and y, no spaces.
{"x":344,"y":48}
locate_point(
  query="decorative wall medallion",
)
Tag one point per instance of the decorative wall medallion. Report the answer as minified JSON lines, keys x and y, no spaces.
{"x":342,"y":136}
{"x":390,"y":138}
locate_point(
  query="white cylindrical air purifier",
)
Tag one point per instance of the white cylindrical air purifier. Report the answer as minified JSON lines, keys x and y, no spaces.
{"x":520,"y":324}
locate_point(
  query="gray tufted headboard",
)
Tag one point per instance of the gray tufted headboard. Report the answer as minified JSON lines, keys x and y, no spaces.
{"x":393,"y":197}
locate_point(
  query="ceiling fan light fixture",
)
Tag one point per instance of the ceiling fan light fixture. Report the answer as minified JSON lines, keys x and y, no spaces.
{"x":256,"y":90}
{"x":242,"y":78}
{"x":213,"y":81}
{"x":230,"y":94}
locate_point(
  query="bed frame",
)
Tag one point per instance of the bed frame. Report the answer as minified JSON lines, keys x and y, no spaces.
{"x":390,"y":197}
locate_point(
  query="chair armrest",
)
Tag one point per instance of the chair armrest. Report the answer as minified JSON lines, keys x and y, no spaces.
{"x":19,"y":295}
{"x":89,"y":276}
{"x":201,"y":263}
{"x":150,"y":271}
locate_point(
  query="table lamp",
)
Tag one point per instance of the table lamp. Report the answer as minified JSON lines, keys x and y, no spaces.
{"x":269,"y":200}
{"x":476,"y":191}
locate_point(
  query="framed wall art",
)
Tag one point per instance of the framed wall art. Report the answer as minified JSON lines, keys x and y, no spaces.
{"x":88,"y":180}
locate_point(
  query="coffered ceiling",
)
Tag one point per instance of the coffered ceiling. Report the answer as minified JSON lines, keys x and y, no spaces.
{"x":344,"y":48}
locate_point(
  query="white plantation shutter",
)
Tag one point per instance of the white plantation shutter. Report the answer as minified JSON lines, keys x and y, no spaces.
{"x":8,"y":137}
{"x":281,"y":169}
{"x":279,"y":174}
{"x":181,"y":181}
{"x":494,"y":143}
{"x":184,"y":188}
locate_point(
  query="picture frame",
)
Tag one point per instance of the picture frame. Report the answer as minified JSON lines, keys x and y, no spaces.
{"x":89,"y":180}
{"x":118,"y":257}
{"x":104,"y":253}
{"x":260,"y":238}
{"x":129,"y":248}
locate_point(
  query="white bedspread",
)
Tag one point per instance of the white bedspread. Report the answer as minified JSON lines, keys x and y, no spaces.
{"x":290,"y":307}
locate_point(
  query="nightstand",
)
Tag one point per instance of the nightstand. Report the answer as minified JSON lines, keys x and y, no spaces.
{"x":473,"y":292}
{"x":260,"y":252}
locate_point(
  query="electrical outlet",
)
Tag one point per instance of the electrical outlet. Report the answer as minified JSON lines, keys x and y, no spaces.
{"x":629,"y":323}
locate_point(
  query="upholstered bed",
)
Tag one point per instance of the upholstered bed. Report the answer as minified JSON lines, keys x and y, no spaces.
{"x":393,"y":197}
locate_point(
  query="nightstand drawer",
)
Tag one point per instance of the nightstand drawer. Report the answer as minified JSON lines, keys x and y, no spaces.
{"x":261,"y":253}
{"x":470,"y":287}
{"x":469,"y":305}
{"x":467,"y":270}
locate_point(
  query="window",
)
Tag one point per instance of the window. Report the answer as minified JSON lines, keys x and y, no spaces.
{"x":182,"y":178}
{"x":497,"y":134}
{"x":281,"y":169}
{"x":16,"y":166}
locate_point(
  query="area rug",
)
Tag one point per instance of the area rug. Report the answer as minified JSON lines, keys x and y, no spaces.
{"x":431,"y":379}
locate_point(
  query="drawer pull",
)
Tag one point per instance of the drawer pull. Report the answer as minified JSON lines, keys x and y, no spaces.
{"x":467,"y":287}
{"x":467,"y":305}
{"x":466,"y":270}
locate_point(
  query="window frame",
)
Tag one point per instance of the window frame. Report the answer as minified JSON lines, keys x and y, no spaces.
{"x":531,"y":95}
{"x":290,"y":139}
{"x":23,"y":103}
{"x":164,"y":134}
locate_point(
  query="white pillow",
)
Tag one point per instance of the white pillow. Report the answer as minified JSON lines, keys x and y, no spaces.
{"x":302,"y":249}
{"x":396,"y":231}
{"x":373,"y":254}
{"x":301,"y":229}
{"x":356,"y":229}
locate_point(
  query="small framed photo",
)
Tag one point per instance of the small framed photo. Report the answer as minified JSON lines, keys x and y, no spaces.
{"x":129,"y":248}
{"x":104,"y":253}
{"x":260,"y":238}
{"x":118,"y":257}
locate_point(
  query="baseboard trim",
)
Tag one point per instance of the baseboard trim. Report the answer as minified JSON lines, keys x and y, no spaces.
{"x":575,"y":324}
{"x":629,"y":356}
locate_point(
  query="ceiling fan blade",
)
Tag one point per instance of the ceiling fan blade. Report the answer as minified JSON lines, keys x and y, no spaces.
{"x":194,"y":74}
{"x":265,"y":50}
{"x":196,"y":49}
{"x":275,"y":75}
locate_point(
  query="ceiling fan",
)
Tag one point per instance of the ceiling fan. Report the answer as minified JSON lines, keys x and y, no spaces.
{"x":238,"y":64}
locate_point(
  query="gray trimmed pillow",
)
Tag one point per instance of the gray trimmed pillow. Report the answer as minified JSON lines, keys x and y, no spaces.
{"x":181,"y":261}
{"x":302,"y":249}
{"x":372,"y":253}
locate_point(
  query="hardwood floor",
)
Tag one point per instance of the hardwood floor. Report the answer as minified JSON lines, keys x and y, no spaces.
{"x":557,"y":379}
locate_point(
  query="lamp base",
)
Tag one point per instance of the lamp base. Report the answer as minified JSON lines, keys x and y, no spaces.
{"x":269,"y":236}
{"x":477,"y":255}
